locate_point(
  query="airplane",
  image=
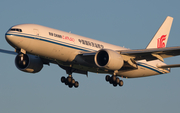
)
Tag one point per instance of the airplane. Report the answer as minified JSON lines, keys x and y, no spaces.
{"x":37,"y":45}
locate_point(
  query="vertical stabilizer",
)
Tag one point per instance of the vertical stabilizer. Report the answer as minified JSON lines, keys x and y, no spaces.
{"x":160,"y":38}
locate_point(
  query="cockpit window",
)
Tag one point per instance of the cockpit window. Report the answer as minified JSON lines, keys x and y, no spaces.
{"x":16,"y":29}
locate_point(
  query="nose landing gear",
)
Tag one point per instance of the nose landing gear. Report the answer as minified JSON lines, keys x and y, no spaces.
{"x":114,"y":80}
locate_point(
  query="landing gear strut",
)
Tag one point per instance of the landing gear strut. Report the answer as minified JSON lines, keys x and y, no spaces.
{"x":114,"y":80}
{"x":69,"y":81}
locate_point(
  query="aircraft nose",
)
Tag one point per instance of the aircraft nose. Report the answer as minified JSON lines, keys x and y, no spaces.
{"x":9,"y":38}
{"x":16,"y":39}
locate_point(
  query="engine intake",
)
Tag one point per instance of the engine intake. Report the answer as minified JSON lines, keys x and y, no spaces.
{"x":28,"y":63}
{"x":109,"y":59}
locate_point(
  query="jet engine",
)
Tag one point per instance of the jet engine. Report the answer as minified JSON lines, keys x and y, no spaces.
{"x":109,"y":59}
{"x":28,"y":63}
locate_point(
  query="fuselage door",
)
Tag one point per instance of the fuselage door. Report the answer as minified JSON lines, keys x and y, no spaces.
{"x":36,"y":33}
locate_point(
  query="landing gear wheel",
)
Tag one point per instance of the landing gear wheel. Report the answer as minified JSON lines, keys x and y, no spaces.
{"x":114,"y":84}
{"x":110,"y":80}
{"x":70,"y":85}
{"x":117,"y":80}
{"x":66,"y":82}
{"x":107,"y":78}
{"x":69,"y":79}
{"x":63,"y":79}
{"x":114,"y":78}
{"x":73,"y":81}
{"x":121,"y":83}
{"x":76,"y":84}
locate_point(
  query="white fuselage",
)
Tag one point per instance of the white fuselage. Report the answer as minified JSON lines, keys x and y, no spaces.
{"x":63,"y":47}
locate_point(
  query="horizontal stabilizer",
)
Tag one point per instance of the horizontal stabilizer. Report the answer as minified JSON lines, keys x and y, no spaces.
{"x":169,"y":66}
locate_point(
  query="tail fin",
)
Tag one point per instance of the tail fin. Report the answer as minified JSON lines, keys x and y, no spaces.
{"x":160,"y":38}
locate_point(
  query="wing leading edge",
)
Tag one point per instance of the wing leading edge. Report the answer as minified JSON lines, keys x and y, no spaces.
{"x":8,"y":52}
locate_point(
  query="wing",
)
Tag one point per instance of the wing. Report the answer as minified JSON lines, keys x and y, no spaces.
{"x":130,"y":56}
{"x":8,"y":52}
{"x":150,"y":54}
{"x":147,"y":54}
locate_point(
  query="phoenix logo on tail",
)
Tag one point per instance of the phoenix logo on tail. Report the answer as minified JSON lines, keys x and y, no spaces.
{"x":160,"y":41}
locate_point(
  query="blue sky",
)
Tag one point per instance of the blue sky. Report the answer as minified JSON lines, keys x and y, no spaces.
{"x":126,"y":23}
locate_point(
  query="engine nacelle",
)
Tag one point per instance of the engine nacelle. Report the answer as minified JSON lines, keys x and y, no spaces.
{"x":28,"y":63}
{"x":109,"y":59}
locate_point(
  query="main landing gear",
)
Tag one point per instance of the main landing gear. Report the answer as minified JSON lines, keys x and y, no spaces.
{"x":114,"y":80}
{"x":69,"y":81}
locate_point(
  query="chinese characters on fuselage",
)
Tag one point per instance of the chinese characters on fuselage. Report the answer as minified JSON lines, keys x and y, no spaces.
{"x":89,"y":43}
